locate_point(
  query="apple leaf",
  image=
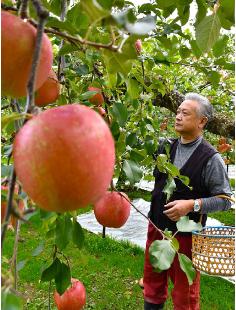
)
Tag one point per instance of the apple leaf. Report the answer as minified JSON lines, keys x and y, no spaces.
{"x":77,"y":235}
{"x":63,"y":231}
{"x":20,"y":265}
{"x":50,"y":272}
{"x":187,"y":266}
{"x":184,"y":224}
{"x":132,"y":171}
{"x":207,"y":32}
{"x":120,"y":111}
{"x":162,"y":254}
{"x":62,"y":278}
{"x":169,"y":188}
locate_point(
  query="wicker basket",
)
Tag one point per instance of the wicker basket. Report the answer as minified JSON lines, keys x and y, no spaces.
{"x":213,"y":250}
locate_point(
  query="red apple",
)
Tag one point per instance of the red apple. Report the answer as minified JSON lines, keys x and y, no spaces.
{"x":49,"y":91}
{"x":64,"y":157}
{"x":96,"y":99}
{"x":138,"y":46}
{"x":17,"y":48}
{"x":74,"y":298}
{"x":112,"y":210}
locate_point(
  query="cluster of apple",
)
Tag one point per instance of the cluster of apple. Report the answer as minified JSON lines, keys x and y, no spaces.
{"x":64,"y":157}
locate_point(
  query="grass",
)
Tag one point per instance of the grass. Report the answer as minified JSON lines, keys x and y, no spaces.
{"x":109,"y":270}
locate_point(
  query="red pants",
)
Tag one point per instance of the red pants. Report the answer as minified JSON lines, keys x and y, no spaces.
{"x":184,"y":297}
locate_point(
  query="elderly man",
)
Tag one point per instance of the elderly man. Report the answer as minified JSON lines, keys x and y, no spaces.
{"x":205,"y":168}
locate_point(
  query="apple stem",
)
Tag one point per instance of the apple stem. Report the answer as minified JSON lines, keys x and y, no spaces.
{"x":23,"y":9}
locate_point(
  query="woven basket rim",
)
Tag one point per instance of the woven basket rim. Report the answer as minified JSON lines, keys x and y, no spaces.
{"x":198,"y":232}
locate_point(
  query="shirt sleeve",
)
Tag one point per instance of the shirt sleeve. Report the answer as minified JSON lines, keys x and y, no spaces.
{"x":216,"y":179}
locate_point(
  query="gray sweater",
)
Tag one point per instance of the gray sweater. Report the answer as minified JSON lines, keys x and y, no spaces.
{"x":214,"y":176}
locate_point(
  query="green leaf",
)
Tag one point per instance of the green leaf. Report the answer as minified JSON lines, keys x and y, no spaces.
{"x":63,"y":278}
{"x":175,"y":244}
{"x":133,"y":88}
{"x":169,"y":188}
{"x":195,"y":49}
{"x":39,"y":249}
{"x":132,"y":171}
{"x":202,"y":10}
{"x":10,"y":301}
{"x":117,"y":62}
{"x":50,"y":272}
{"x":66,"y":26}
{"x":54,"y":6}
{"x":184,"y":224}
{"x":187,"y":266}
{"x":183,"y":12}
{"x":72,"y":15}
{"x":214,"y":78}
{"x":165,"y":3}
{"x":161,"y":254}
{"x":228,"y":9}
{"x":137,"y":155}
{"x":220,"y":45}
{"x":63,"y":231}
{"x":184,"y":52}
{"x":93,"y":10}
{"x":68,"y":48}
{"x":207,"y":32}
{"x":82,"y":70}
{"x":77,"y":234}
{"x":120,"y":111}
{"x":131,"y":139}
{"x":184,"y":179}
{"x":7,"y":119}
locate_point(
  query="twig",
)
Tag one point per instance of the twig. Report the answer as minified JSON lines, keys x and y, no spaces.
{"x":10,"y":195}
{"x":43,"y":15}
{"x":76,"y":40}
{"x":23,"y":9}
{"x":14,"y":256}
{"x":49,"y":295}
{"x":150,"y":221}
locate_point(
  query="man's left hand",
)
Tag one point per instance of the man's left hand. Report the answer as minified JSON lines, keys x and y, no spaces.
{"x":178,"y":208}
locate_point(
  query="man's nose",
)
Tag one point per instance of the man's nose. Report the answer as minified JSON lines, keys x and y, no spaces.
{"x":178,"y":116}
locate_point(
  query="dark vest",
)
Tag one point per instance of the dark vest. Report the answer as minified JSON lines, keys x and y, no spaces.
{"x":193,"y":169}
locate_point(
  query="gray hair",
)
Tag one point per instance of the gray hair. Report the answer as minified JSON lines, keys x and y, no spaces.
{"x":205,"y":107}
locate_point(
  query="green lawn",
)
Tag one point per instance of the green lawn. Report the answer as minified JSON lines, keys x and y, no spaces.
{"x":109,"y":270}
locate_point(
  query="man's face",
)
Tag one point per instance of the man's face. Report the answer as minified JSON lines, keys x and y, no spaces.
{"x":188,"y":120}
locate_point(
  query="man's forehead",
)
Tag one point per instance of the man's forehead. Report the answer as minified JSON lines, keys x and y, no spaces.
{"x":188,"y":105}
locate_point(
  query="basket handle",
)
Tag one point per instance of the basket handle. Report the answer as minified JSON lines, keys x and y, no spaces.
{"x":219,"y":196}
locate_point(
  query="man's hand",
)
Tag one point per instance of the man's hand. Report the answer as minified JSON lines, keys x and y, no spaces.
{"x":178,"y":208}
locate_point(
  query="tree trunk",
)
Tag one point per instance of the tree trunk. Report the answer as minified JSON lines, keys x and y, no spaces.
{"x":220,"y":124}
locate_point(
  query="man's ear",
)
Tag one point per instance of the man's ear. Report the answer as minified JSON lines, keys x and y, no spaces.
{"x":203,"y":122}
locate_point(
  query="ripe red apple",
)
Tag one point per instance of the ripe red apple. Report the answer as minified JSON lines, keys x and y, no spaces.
{"x":112,"y":210}
{"x":97,"y":99}
{"x":64,"y":157}
{"x":49,"y":91}
{"x":17,"y":48}
{"x":222,"y":148}
{"x":74,"y":298}
{"x":138,"y":46}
